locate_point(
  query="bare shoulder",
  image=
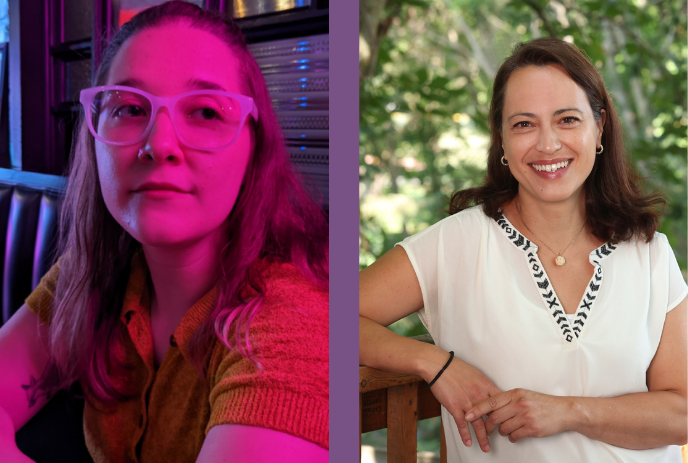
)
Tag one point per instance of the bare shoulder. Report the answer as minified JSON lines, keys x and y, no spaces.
{"x":23,"y":357}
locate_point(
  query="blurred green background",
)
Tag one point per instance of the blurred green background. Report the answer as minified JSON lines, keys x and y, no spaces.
{"x":425,"y":74}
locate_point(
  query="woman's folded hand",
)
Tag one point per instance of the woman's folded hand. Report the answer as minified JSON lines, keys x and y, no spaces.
{"x":521,"y":413}
{"x":460,"y":388}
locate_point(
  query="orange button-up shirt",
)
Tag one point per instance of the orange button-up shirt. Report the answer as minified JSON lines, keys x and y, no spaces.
{"x":169,"y":419}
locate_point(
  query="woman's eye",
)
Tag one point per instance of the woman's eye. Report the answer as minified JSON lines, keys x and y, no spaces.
{"x":522,"y":124}
{"x":569,"y":120}
{"x":205,"y":113}
{"x":129,"y":111}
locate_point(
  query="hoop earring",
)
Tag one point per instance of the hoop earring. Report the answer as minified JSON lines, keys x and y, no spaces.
{"x":504,"y":162}
{"x":601,"y":149}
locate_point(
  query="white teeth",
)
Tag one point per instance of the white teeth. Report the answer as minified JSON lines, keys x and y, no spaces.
{"x":550,"y":167}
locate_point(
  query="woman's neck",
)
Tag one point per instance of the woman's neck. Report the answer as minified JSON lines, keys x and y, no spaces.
{"x":181,"y":276}
{"x":556,"y":222}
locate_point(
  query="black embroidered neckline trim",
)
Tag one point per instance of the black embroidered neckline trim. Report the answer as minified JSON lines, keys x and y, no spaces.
{"x":567,"y":330}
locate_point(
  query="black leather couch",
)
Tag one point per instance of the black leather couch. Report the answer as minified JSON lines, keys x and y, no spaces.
{"x":29,"y":205}
{"x":29,"y":209}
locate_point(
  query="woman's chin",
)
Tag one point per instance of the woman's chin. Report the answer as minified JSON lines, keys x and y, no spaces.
{"x":162,"y":236}
{"x":554,"y":194}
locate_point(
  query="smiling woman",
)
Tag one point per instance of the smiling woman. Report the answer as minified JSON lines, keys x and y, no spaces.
{"x":190,"y":300}
{"x":556,"y":308}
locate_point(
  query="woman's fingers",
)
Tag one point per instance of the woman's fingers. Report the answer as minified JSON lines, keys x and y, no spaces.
{"x":464,"y":431}
{"x":481,"y":434}
{"x":514,"y":428}
{"x":498,"y":417}
{"x":489,"y":405}
{"x":508,"y":426}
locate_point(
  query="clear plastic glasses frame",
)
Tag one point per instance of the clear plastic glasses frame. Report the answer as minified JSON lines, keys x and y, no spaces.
{"x":87,"y":96}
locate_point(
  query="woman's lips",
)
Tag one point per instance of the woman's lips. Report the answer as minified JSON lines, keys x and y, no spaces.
{"x":552,"y":175}
{"x":159,"y":194}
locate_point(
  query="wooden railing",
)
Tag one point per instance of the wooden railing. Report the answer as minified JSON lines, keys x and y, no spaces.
{"x":398,"y":402}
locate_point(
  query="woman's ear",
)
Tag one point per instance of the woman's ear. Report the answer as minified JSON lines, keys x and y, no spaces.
{"x":600,"y":125}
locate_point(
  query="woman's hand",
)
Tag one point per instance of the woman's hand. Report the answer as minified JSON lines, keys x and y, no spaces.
{"x":461,"y":387}
{"x":521,"y":413}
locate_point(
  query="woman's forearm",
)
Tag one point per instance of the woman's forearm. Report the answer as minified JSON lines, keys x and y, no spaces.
{"x":635,"y":421}
{"x":6,"y":429}
{"x":9,"y":453}
{"x":381,"y":348}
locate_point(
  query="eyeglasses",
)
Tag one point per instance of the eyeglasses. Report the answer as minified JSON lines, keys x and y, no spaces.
{"x":202,"y":119}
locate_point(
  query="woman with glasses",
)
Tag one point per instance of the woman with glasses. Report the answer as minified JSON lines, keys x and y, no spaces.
{"x":556,"y":307}
{"x":190,"y":299}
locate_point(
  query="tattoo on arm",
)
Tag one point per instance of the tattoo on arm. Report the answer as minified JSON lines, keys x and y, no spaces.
{"x":33,"y":392}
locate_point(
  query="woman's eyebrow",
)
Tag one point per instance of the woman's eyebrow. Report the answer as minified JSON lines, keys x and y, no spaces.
{"x":556,"y":113}
{"x":131,"y":82}
{"x":521,"y":114}
{"x":204,"y":85}
{"x":560,"y":111}
{"x":199,"y":84}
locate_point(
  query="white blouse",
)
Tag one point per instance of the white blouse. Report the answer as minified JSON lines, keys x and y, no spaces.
{"x":487,"y":298}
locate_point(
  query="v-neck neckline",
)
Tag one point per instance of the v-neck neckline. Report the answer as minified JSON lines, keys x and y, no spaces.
{"x":568,"y":331}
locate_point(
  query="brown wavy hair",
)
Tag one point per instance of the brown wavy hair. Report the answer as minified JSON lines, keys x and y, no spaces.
{"x":615,"y":207}
{"x":273,"y":219}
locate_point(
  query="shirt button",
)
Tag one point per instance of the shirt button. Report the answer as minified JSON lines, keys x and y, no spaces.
{"x":173,"y":342}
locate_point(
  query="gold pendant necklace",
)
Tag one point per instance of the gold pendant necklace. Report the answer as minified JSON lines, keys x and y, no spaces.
{"x":559,"y":259}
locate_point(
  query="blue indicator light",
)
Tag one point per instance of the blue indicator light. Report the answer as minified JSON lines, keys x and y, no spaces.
{"x":303,"y":104}
{"x":303,"y":66}
{"x":304,"y":97}
{"x":303,"y":85}
{"x":303,"y":49}
{"x":303,"y":79}
{"x":302,"y":61}
{"x":305,"y":42}
{"x":303,"y":148}
{"x":303,"y":135}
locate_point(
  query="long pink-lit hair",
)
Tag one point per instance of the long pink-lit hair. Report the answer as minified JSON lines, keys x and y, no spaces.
{"x":273,"y":218}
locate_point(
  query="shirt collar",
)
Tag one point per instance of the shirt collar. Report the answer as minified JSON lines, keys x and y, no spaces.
{"x":137,"y":301}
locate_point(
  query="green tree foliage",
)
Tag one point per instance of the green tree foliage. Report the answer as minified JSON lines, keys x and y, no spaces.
{"x":426,"y":85}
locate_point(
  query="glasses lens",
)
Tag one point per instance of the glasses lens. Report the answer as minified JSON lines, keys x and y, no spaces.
{"x":208,"y":121}
{"x":120,"y":116}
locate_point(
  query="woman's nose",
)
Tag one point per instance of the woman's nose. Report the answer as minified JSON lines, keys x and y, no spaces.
{"x":548,"y":142}
{"x":162,"y":143}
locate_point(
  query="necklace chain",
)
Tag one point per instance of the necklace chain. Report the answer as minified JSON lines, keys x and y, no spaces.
{"x":538,"y":238}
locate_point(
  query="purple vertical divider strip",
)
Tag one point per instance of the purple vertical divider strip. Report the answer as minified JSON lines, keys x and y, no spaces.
{"x":343,"y":232}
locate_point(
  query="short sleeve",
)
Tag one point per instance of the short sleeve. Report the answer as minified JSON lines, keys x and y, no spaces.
{"x":41,"y":298}
{"x":678,"y":290}
{"x":290,"y":338}
{"x":428,"y":251}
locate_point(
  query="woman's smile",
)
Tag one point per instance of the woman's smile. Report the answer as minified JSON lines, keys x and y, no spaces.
{"x":551,"y":170}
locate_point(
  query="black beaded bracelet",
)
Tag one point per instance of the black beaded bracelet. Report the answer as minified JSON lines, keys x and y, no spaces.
{"x":451,"y":357}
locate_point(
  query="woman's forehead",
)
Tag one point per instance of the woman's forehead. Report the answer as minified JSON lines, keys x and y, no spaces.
{"x":543,"y":87}
{"x":170,"y":59}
